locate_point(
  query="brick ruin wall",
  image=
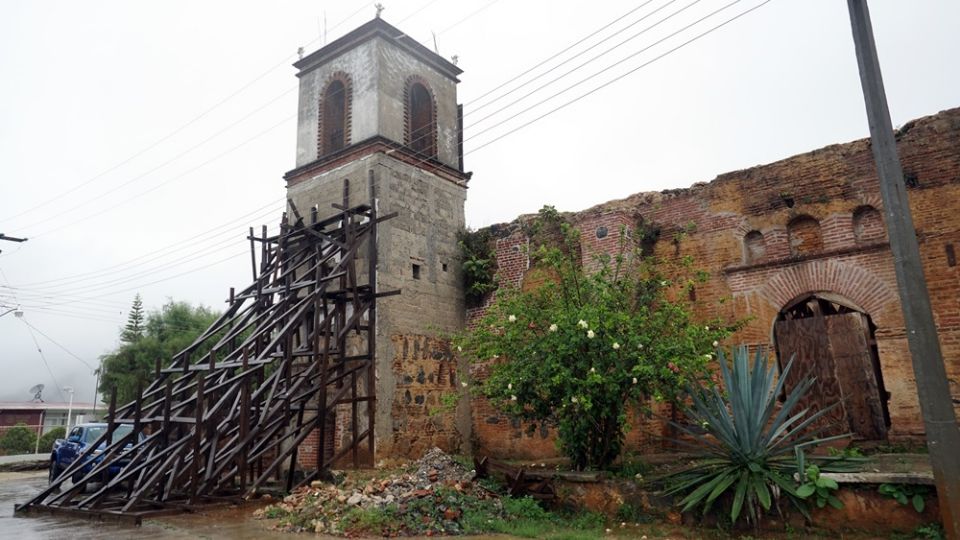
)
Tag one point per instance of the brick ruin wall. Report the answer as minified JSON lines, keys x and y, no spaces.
{"x":812,"y":223}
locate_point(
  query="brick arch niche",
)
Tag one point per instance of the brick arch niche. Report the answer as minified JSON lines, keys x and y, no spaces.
{"x":754,"y":247}
{"x":868,"y":225}
{"x":805,"y":237}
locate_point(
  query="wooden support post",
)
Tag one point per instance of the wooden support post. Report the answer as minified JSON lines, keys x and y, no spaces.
{"x":244,"y":418}
{"x":197,"y":439}
{"x":372,"y":318}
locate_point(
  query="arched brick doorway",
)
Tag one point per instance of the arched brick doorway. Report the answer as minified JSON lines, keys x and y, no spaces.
{"x":832,"y":339}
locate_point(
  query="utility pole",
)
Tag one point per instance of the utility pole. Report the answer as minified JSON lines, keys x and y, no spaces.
{"x":943,"y":434}
{"x":69,"y":407}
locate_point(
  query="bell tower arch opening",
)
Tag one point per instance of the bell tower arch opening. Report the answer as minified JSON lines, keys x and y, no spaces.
{"x":421,"y":126}
{"x":833,"y":339}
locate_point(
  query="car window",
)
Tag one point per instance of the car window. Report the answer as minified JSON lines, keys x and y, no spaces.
{"x":75,"y":431}
{"x":94,"y":433}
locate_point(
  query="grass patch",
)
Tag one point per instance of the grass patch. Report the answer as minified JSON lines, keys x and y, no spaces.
{"x":525,"y":518}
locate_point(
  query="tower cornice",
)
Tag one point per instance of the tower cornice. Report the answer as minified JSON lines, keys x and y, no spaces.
{"x":368,"y":31}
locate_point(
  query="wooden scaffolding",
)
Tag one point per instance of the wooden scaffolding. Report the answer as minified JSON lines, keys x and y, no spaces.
{"x":228,"y":414}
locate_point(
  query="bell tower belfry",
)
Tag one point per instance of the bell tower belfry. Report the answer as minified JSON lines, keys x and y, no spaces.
{"x":376,"y":104}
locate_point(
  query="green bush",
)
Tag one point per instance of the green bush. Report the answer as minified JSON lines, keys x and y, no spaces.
{"x":18,"y":440}
{"x":582,"y":348}
{"x":47,"y":440}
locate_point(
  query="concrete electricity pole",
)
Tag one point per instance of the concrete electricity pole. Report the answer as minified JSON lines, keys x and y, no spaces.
{"x":70,"y":406}
{"x":943,"y":434}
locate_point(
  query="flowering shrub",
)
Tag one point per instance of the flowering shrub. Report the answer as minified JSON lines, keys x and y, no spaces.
{"x":580,"y":349}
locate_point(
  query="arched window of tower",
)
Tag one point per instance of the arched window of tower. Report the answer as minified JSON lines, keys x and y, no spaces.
{"x":333,"y":119}
{"x":421,"y":129}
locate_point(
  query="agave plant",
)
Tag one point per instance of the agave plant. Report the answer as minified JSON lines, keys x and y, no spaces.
{"x":746,"y":445}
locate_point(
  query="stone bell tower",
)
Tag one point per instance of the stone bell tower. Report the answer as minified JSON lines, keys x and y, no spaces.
{"x":377,"y":104}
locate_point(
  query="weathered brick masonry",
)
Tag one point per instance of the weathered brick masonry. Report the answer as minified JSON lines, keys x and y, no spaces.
{"x":811,"y":224}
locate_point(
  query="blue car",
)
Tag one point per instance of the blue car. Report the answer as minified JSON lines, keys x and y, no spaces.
{"x":66,"y":451}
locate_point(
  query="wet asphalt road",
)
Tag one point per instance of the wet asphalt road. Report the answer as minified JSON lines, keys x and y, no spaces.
{"x":229,"y":523}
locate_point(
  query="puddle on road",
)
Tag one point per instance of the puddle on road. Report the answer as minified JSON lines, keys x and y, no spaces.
{"x":219,"y":523}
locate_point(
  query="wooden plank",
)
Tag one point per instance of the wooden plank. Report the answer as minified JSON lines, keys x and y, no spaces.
{"x":805,"y":341}
{"x":848,"y":334}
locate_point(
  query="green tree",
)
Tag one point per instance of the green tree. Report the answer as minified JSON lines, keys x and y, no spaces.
{"x":133,"y":331}
{"x":579,"y":350}
{"x":166,"y":332}
{"x":18,"y":440}
{"x":47,"y":440}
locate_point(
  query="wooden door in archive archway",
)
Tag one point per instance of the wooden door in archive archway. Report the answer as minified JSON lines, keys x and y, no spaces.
{"x":838,"y":351}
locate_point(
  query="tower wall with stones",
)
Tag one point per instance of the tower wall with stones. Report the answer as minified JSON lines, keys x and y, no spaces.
{"x":416,"y":249}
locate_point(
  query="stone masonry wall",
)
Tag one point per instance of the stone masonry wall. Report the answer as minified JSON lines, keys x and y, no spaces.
{"x":417,"y":255}
{"x":812,"y":223}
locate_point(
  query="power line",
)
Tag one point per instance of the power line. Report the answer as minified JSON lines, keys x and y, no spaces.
{"x":100,"y":286}
{"x":179,"y":245}
{"x":170,"y":180}
{"x":608,"y":83}
{"x":189,"y":150}
{"x":192,"y":255}
{"x":423,"y":7}
{"x":44,"y":358}
{"x":84,"y":362}
{"x":567,"y":48}
{"x":454,"y":25}
{"x":588,"y":62}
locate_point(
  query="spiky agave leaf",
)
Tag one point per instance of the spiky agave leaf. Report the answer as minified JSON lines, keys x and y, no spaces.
{"x":748,"y":445}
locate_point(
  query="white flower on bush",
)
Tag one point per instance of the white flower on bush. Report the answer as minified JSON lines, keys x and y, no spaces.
{"x":634,"y":380}
{"x":663,"y":283}
{"x":463,"y":384}
{"x":582,"y":323}
{"x":496,"y":356}
{"x":459,"y":348}
{"x":553,"y":327}
{"x":574,"y":399}
{"x":513,"y":398}
{"x":512,"y":318}
{"x":509,"y":386}
{"x":590,"y":334}
{"x":640,"y":346}
{"x":707,"y":328}
{"x":716,"y":343}
{"x":616,"y":345}
{"x":593,"y":370}
{"x":708,"y":356}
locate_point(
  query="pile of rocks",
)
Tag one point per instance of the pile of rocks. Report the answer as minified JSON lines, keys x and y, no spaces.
{"x":429,"y":490}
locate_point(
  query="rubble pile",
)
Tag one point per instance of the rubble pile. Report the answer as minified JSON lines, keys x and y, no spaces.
{"x":429,"y":500}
